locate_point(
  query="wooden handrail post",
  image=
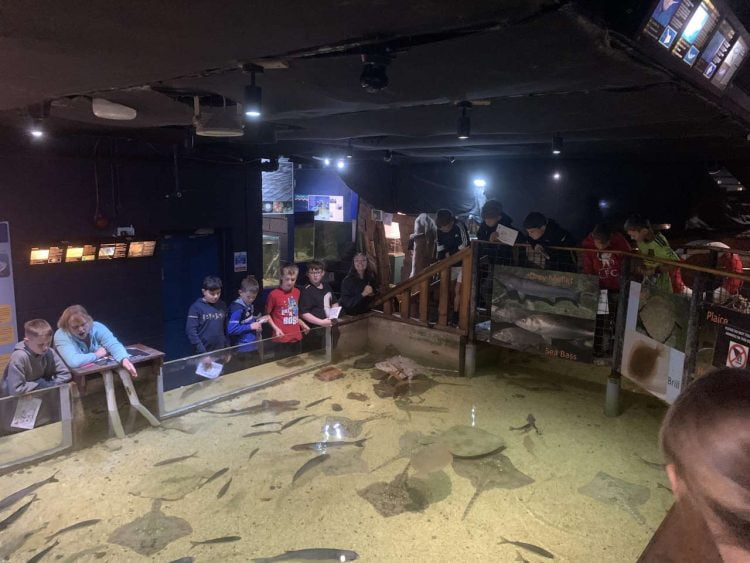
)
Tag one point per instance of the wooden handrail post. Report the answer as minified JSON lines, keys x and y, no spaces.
{"x":405,"y":300}
{"x":424,"y":300}
{"x":445,"y":286}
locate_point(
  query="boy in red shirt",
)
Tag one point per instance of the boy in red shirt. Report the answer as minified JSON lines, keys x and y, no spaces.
{"x":283,"y":307}
{"x":604,"y":264}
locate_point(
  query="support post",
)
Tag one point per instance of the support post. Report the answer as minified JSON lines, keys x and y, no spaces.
{"x":693,"y":328}
{"x":445,"y":286}
{"x":612,"y":398}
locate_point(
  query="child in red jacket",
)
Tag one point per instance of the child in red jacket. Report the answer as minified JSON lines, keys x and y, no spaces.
{"x":604,"y":263}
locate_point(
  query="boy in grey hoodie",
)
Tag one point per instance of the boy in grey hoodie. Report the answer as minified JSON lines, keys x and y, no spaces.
{"x":33,"y":364}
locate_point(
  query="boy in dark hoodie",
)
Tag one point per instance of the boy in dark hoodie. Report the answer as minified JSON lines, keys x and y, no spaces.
{"x":244,"y":326}
{"x":33,"y":364}
{"x":206,"y":319}
{"x":542,"y":234}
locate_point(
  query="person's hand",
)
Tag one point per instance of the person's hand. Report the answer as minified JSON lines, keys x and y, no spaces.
{"x":494,"y":237}
{"x":278,"y":333}
{"x":305,"y":329}
{"x":367,"y":291}
{"x":128,"y":365}
{"x":101,"y":352}
{"x":257,"y":325}
{"x":326,"y":322}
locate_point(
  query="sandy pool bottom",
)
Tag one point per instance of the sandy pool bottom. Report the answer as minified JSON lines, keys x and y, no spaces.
{"x":117,"y":481}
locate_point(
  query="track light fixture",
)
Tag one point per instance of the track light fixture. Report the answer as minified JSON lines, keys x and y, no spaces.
{"x":463,"y":131}
{"x":557,"y":144}
{"x":388,"y":156}
{"x":38,"y":113}
{"x":253,"y":93}
{"x":374,"y":77}
{"x":349,"y":150}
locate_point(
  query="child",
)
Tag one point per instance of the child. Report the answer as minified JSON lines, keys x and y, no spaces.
{"x":452,"y":236}
{"x":282,"y":308}
{"x":243,"y":326}
{"x":655,"y":244}
{"x":315,"y":301}
{"x":492,"y":216}
{"x":705,"y":438}
{"x":33,"y":364}
{"x":604,"y":264}
{"x":542,"y":234}
{"x":206,"y":319}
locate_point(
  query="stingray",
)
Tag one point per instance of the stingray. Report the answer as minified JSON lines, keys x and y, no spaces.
{"x":430,"y":459}
{"x":152,"y":532}
{"x":470,"y":441}
{"x":399,"y":367}
{"x":396,"y":497}
{"x":409,"y":443}
{"x":494,"y":471}
{"x":611,"y":490}
{"x":341,"y":427}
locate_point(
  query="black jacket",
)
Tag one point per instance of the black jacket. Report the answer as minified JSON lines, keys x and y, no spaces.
{"x":454,"y":240}
{"x":351,"y":294}
{"x":555,"y":235}
{"x":484,"y":231}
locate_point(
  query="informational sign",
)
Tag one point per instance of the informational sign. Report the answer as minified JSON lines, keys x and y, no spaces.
{"x":8,"y":337}
{"x":240,"y":261}
{"x":696,"y":33}
{"x":326,"y":207}
{"x":27,"y":409}
{"x":141,"y":248}
{"x":544,"y":312}
{"x":732,"y":63}
{"x":732,"y":336}
{"x":716,"y":51}
{"x":506,"y":235}
{"x":209,"y":370}
{"x":737,"y":355}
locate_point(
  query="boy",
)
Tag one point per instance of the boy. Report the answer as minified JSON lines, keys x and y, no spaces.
{"x":543,"y":233}
{"x":243,"y":326}
{"x":315,"y":301}
{"x":452,"y":236}
{"x":655,"y":244}
{"x":206,"y":319}
{"x":492,"y":216}
{"x":604,"y":264}
{"x":33,"y":364}
{"x":282,"y":308}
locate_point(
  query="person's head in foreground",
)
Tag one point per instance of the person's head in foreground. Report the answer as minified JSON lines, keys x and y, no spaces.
{"x":705,"y":438}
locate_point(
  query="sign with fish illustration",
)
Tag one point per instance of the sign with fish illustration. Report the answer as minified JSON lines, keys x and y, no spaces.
{"x":654,"y":343}
{"x":731,"y":334}
{"x":545,"y":312}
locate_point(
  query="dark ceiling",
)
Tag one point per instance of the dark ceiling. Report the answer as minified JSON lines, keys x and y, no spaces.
{"x":533,"y":68}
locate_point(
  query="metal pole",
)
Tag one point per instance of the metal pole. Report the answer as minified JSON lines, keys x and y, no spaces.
{"x":693,"y":328}
{"x":470,"y":350}
{"x":612,"y":397}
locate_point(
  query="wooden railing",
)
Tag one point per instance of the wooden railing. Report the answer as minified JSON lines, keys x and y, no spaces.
{"x":419,"y":287}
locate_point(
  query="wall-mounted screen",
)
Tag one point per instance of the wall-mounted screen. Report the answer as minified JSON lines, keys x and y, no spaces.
{"x":46,"y":255}
{"x":141,"y":249}
{"x":74,"y":253}
{"x":110,"y":251}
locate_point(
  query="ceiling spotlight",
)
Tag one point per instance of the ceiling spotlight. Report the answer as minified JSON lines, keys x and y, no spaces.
{"x":36,"y":131}
{"x":463,"y":131}
{"x":349,"y":151}
{"x":340,"y":164}
{"x":603,"y":204}
{"x":557,"y":144}
{"x":326,"y":162}
{"x":556,"y":176}
{"x":451,"y":159}
{"x":253,"y":93}
{"x":373,"y":77}
{"x":38,"y":113}
{"x":480,"y":182}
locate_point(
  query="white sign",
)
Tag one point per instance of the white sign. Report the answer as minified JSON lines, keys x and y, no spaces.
{"x":506,"y":235}
{"x":210,"y":370}
{"x":387,"y":218}
{"x":737,"y":355}
{"x":334,"y":312}
{"x":27,"y":410}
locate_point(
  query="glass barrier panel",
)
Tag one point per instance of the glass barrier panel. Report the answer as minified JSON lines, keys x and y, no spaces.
{"x":34,"y":425}
{"x":188,"y":383}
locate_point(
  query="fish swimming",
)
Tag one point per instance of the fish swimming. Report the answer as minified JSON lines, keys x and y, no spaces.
{"x":530,"y":423}
{"x":659,"y":466}
{"x":5,"y":524}
{"x":260,"y":433}
{"x":523,"y":287}
{"x":317,"y":554}
{"x":295,"y":421}
{"x":76,"y":526}
{"x":183,"y":560}
{"x":518,"y":338}
{"x":307,"y":406}
{"x":559,"y":327}
{"x":529,"y":547}
{"x":223,"y":539}
{"x":319,"y":446}
{"x":45,"y":551}
{"x":252,"y":453}
{"x":216,"y":475}
{"x":309,"y":464}
{"x":263,"y":424}
{"x":175,"y":459}
{"x":10,"y":500}
{"x":224,"y":489}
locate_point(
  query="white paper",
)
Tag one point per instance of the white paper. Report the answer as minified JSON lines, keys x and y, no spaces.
{"x":210,"y":371}
{"x":27,"y":410}
{"x":387,"y":218}
{"x":334,"y":312}
{"x":506,"y":235}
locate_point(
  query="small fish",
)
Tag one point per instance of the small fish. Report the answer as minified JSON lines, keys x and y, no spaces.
{"x":223,"y":539}
{"x":317,"y":402}
{"x":326,"y":445}
{"x":263,"y":424}
{"x":252,"y":453}
{"x":529,"y":547}
{"x":175,"y":459}
{"x":224,"y":489}
{"x":76,"y":526}
{"x":5,"y":524}
{"x":295,"y":421}
{"x":45,"y":551}
{"x":660,"y":486}
{"x":520,"y":558}
{"x":317,"y":554}
{"x":309,"y":464}
{"x":260,"y":433}
{"x":659,"y":466}
{"x":216,"y":475}
{"x":193,"y":389}
{"x":18,"y":495}
{"x":530,"y":423}
{"x":183,"y":560}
